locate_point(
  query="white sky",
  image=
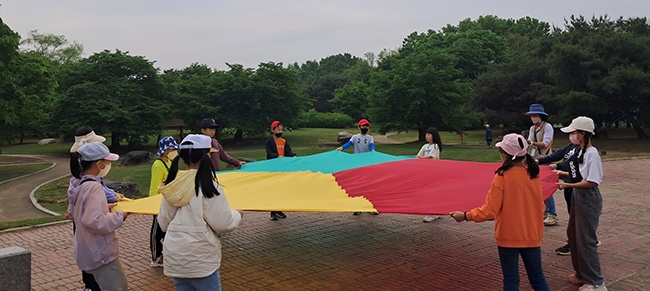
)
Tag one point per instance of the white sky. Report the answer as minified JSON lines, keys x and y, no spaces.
{"x":176,"y":34}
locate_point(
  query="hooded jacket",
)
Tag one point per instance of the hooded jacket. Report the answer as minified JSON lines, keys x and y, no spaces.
{"x":192,"y":248}
{"x":95,"y":242}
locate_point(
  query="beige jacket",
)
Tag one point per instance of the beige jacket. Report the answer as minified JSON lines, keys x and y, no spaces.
{"x":191,"y":247}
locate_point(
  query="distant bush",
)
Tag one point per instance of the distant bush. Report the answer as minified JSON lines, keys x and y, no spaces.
{"x":315,"y":119}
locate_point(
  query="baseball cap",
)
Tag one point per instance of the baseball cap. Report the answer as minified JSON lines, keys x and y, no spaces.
{"x":84,"y":139}
{"x":580,"y":123}
{"x":95,"y":151}
{"x":196,"y":141}
{"x":208,"y":123}
{"x":275,"y":124}
{"x":165,"y":144}
{"x":364,"y":122}
{"x":513,"y":144}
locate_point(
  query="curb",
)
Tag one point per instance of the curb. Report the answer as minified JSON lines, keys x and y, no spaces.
{"x":35,"y":201}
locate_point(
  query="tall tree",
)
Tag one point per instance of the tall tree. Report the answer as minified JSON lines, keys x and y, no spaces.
{"x":55,"y":48}
{"x":115,"y":93}
{"x":9,"y":93}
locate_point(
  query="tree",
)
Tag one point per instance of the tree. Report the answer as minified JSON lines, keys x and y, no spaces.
{"x":9,"y":95}
{"x":55,"y":48}
{"x":113,"y":92}
{"x":352,"y":100}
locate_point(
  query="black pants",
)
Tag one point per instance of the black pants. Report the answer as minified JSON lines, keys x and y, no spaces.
{"x":567,"y":198}
{"x":155,"y":239}
{"x":87,"y":278}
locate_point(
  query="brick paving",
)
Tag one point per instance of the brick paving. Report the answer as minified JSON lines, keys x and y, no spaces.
{"x":336,"y":251}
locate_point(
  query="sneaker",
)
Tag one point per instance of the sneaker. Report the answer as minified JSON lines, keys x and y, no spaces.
{"x":598,"y":243}
{"x":158,"y":263}
{"x":356,"y":213}
{"x":573,"y":278}
{"x":273,"y":216}
{"x":587,"y":287}
{"x":430,"y":218}
{"x":563,"y":250}
{"x":551,"y":220}
{"x":280,"y":214}
{"x":374,"y":213}
{"x":545,"y":215}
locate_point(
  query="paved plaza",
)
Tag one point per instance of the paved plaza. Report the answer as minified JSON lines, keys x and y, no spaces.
{"x":339,"y":251}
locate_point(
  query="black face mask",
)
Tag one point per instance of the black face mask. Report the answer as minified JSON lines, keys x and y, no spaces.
{"x":364,"y":130}
{"x":278,"y":134}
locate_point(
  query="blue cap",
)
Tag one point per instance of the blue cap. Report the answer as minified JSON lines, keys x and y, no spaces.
{"x":95,"y":151}
{"x":536,"y":109}
{"x":165,"y":144}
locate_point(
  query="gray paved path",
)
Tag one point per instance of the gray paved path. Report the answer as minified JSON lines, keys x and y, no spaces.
{"x":335,"y":251}
{"x":14,"y":195}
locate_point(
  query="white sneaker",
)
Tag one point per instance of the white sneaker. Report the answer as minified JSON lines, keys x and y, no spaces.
{"x":430,"y":218}
{"x":587,"y":287}
{"x":598,"y":243}
{"x":158,"y":263}
{"x":551,"y":220}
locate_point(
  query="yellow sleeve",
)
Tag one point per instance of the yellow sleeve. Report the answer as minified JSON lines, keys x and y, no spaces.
{"x":158,"y":175}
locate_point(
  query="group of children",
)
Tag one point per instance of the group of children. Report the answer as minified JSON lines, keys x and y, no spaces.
{"x":193,"y":211}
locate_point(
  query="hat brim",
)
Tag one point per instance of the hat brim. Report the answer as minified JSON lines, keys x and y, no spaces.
{"x":112,"y":157}
{"x":529,"y":113}
{"x":77,"y":144}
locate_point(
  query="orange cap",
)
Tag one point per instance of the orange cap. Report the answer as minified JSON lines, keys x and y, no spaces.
{"x":275,"y":124}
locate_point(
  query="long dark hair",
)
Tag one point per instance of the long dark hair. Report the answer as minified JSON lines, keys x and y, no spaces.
{"x":531,"y":165}
{"x":205,"y":176}
{"x":77,"y":166}
{"x":435,"y":137}
{"x":581,"y":156}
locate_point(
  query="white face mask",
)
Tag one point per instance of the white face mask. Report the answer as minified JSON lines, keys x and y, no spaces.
{"x":172,"y":155}
{"x":535,"y":120}
{"x":103,"y":172}
{"x":574,"y":138}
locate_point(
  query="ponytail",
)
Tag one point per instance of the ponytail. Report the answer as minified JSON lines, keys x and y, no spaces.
{"x":173,"y":170}
{"x":77,"y":166}
{"x":581,"y":156}
{"x":532,"y":167}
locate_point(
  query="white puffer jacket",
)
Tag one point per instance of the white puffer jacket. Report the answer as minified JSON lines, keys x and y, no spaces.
{"x":191,"y":247}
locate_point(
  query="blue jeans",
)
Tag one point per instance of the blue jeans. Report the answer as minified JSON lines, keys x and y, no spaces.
{"x":550,"y":206}
{"x":532,"y":258}
{"x":209,"y":283}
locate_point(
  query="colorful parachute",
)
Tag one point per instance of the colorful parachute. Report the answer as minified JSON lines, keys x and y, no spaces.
{"x":340,"y":182}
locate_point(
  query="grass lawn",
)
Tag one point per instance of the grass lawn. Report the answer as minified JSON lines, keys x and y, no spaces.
{"x":8,"y":172}
{"x":304,"y":142}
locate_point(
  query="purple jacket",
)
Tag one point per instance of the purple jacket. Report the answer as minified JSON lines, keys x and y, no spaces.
{"x":221,"y":155}
{"x":111,"y":195}
{"x":95,"y":242}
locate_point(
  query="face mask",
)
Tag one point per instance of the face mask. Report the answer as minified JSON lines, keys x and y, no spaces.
{"x":535,"y":120}
{"x":364,"y":130}
{"x":172,"y":155}
{"x":574,"y":138}
{"x":278,"y":134}
{"x":103,"y":172}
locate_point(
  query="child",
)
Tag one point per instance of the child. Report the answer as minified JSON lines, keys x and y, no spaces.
{"x":488,"y":135}
{"x":514,"y":201}
{"x":431,"y":150}
{"x":209,"y":128}
{"x":82,"y":136}
{"x":95,"y":243}
{"x":568,"y":171}
{"x":167,"y":150}
{"x":277,"y":147}
{"x":363,"y":142}
{"x":540,"y":139}
{"x":586,"y":206}
{"x":194,"y":212}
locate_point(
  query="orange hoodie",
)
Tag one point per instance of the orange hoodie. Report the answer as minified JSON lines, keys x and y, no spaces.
{"x":515,"y":202}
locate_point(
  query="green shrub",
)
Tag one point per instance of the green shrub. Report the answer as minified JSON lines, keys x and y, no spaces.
{"x":315,"y":119}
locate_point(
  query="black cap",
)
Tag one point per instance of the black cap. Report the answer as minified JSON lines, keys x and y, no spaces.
{"x":208,"y":123}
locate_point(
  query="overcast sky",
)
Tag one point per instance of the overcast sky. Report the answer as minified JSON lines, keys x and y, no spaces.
{"x":176,"y":33}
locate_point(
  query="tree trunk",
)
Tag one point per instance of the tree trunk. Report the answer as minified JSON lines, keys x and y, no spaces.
{"x":239,"y":135}
{"x":639,"y":130}
{"x":115,"y":140}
